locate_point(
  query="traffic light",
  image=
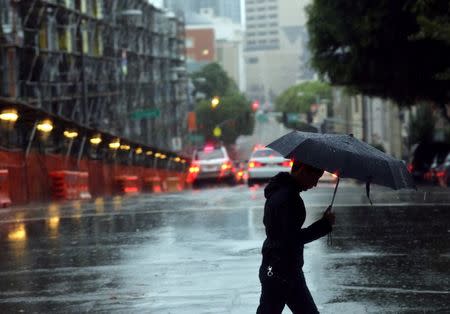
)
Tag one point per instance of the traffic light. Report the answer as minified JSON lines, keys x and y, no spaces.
{"x":255,"y":105}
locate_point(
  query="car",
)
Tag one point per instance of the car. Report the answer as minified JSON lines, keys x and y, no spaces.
{"x":264,"y":163}
{"x":240,"y":172}
{"x":212,"y":163}
{"x":422,"y":159}
{"x":443,"y":173}
{"x":437,"y":166}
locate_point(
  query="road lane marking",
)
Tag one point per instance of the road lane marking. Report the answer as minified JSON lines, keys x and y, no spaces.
{"x":396,"y":290}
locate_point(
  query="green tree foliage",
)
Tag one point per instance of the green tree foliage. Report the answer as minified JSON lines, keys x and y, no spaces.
{"x":212,"y":81}
{"x":421,"y":127}
{"x":233,"y":114}
{"x":391,"y":49}
{"x":299,"y":98}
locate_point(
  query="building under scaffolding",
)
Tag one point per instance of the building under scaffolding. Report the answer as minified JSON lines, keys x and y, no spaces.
{"x":113,"y":65}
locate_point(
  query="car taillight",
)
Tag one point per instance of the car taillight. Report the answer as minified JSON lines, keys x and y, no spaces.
{"x":410,"y":167}
{"x":226,"y":165}
{"x":440,"y":174}
{"x":254,"y":164}
{"x":287,"y":163}
{"x":194,"y":169}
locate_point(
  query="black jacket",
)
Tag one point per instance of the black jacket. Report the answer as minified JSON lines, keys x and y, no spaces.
{"x":284,"y":215}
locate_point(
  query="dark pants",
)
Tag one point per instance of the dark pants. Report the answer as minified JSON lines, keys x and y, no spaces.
{"x":277,"y":292}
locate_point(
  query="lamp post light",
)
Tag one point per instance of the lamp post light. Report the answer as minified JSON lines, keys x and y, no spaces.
{"x":215,"y":102}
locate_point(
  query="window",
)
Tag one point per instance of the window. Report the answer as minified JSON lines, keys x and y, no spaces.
{"x":189,"y":42}
{"x":252,"y":60}
{"x":265,"y":153}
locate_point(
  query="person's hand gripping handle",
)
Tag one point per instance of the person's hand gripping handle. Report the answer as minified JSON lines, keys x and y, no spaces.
{"x":329,"y":215}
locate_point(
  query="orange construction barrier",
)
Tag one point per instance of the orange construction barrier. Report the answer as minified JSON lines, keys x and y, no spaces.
{"x":173,"y":184}
{"x":83,"y":185}
{"x":153,"y":184}
{"x":70,"y":185}
{"x":5,"y":199}
{"x":127,"y":184}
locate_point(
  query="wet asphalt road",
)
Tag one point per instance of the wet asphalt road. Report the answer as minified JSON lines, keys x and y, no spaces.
{"x":199,"y":252}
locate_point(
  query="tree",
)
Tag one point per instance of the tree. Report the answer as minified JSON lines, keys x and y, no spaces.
{"x":213,"y":81}
{"x":233,"y":114}
{"x":299,"y":98}
{"x":390,"y":49}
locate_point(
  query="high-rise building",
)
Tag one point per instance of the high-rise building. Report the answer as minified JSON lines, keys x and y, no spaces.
{"x":225,"y":8}
{"x":275,"y":47}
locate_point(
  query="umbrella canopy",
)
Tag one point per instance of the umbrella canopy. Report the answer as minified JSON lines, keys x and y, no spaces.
{"x":346,"y":156}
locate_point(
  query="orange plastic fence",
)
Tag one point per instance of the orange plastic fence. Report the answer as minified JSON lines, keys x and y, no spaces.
{"x":70,"y":185}
{"x":5,"y":199}
{"x":127,"y":184}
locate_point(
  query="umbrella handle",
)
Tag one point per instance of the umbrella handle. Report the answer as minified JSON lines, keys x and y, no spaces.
{"x":334,"y":193}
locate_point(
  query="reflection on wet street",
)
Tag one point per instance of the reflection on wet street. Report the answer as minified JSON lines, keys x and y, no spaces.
{"x":199,"y":252}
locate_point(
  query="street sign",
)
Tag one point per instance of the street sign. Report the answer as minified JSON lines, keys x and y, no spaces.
{"x":145,"y":114}
{"x":196,"y":138}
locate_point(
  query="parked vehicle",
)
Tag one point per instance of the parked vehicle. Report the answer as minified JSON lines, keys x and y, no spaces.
{"x":436,"y":169}
{"x":240,"y":172}
{"x":422,"y":158}
{"x":443,"y":174}
{"x":264,"y":163}
{"x":212,"y":163}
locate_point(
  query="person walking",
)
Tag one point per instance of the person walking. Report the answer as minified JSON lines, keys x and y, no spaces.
{"x":280,"y":273}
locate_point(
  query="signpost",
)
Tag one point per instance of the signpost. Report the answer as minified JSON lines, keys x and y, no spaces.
{"x":145,"y":114}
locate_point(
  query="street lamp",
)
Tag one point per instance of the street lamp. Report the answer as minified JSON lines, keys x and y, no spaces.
{"x":70,"y":134}
{"x":9,"y":115}
{"x":114,"y":145}
{"x":45,"y":126}
{"x":95,"y":140}
{"x":215,"y":102}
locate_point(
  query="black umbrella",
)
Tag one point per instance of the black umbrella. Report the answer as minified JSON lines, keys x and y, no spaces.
{"x":345,"y":156}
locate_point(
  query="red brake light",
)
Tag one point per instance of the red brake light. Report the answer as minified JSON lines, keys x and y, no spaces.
{"x":226,"y":165}
{"x":194,"y":168}
{"x":287,"y":163}
{"x":410,"y":167}
{"x":254,"y":164}
{"x":440,"y":174}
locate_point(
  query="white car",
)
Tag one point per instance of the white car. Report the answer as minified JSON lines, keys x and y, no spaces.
{"x":211,"y":164}
{"x":265,"y":163}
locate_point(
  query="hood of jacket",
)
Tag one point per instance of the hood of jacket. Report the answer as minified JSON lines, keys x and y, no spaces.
{"x":282,"y":180}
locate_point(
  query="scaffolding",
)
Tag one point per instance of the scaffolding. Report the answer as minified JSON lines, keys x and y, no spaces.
{"x":113,"y":65}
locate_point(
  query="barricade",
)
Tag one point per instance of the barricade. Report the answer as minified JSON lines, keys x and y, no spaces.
{"x":83,"y":185}
{"x":153,"y":184}
{"x":127,"y":184}
{"x":173,"y":184}
{"x":5,"y":199}
{"x":70,"y":185}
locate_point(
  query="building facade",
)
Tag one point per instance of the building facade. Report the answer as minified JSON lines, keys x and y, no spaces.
{"x":115,"y":66}
{"x":275,"y":47}
{"x":374,"y":120}
{"x":211,"y":38}
{"x":224,"y":8}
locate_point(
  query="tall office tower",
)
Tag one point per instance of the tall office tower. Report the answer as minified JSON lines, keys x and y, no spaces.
{"x":225,"y":8}
{"x":275,"y":46}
